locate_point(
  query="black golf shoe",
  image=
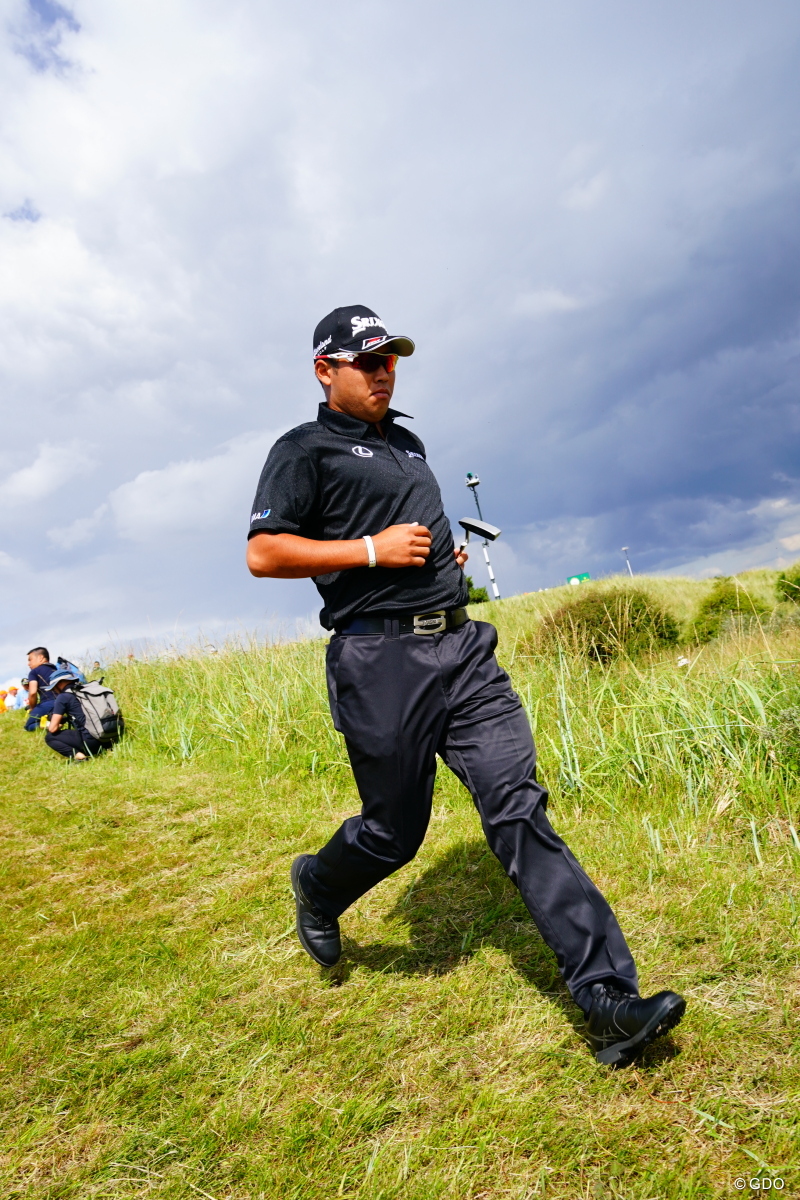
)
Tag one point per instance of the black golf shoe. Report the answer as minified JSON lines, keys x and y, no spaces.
{"x":620,"y":1025}
{"x":319,"y":935}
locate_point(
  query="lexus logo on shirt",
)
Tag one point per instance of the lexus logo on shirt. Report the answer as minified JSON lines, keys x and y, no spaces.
{"x":362,"y":452}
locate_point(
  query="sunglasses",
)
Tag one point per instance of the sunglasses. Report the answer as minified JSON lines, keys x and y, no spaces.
{"x":370,"y":362}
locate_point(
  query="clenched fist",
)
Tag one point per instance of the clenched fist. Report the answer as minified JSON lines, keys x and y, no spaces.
{"x":402,"y":546}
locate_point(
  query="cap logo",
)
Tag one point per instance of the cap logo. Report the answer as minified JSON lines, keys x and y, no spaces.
{"x":362,"y":452}
{"x":325,"y":342}
{"x":361,"y":323}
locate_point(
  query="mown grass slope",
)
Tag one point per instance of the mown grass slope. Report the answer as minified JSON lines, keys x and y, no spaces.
{"x":164,"y":1036}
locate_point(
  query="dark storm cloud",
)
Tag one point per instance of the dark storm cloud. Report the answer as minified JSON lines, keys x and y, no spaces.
{"x":688,"y":392}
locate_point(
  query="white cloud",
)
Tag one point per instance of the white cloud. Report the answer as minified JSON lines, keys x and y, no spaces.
{"x":544,"y":302}
{"x":81,"y":531}
{"x":197,"y":495}
{"x":52,"y":467}
{"x":587,"y":193}
{"x":791,"y":543}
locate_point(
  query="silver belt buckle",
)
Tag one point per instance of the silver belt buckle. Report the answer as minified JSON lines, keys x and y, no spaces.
{"x":434,"y":622}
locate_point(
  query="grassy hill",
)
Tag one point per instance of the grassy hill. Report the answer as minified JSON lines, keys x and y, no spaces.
{"x":164,"y":1036}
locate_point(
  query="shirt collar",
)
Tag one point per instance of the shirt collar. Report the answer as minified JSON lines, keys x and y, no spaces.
{"x":342,"y":423}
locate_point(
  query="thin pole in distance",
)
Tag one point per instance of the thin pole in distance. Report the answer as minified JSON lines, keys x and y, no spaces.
{"x":625,"y":550}
{"x":472,"y":483}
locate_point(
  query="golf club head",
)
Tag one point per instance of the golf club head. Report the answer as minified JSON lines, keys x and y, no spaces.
{"x":481,"y":528}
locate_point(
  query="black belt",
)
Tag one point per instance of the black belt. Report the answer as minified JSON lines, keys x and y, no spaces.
{"x":439,"y":621}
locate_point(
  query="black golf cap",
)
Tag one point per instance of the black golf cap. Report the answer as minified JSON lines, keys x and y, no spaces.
{"x":354,"y":329}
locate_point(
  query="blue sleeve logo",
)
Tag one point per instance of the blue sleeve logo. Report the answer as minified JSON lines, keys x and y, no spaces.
{"x":260,"y":516}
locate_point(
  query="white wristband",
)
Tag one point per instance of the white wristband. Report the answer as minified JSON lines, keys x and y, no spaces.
{"x":373,"y":558}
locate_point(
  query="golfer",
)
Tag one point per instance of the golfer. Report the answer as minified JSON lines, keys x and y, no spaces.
{"x":349,"y":500}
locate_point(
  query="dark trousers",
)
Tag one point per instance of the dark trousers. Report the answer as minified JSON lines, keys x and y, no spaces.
{"x":42,"y":709}
{"x":400,"y":700}
{"x":71,"y":741}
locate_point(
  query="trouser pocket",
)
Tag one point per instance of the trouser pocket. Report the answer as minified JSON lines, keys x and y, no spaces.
{"x":333,"y":656}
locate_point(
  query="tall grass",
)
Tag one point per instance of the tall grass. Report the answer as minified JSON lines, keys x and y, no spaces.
{"x":263,"y":705}
{"x":698,"y":735}
{"x":702,"y":752}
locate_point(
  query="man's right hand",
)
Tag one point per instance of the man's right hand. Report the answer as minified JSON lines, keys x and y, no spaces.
{"x":402,"y":546}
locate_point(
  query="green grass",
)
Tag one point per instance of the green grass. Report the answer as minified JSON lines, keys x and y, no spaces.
{"x":164,"y":1036}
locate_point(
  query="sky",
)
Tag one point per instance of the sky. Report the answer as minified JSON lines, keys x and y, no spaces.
{"x":585,"y":215}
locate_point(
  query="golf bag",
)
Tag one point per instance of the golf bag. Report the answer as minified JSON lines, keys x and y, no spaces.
{"x":103,"y":718}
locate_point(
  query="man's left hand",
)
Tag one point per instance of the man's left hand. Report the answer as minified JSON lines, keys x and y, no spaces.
{"x":461,"y":556}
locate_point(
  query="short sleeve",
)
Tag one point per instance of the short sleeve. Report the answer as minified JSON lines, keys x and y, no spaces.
{"x":61,"y":704}
{"x":286,"y":493}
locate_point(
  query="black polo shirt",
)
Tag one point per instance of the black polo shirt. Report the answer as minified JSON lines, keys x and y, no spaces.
{"x":337,"y":479}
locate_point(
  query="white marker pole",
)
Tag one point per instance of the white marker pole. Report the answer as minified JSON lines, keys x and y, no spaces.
{"x":489,"y":569}
{"x":472,"y":483}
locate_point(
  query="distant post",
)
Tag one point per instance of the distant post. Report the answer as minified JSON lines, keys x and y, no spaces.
{"x":472,"y":482}
{"x":625,"y":550}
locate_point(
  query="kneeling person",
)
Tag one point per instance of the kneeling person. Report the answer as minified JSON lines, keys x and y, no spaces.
{"x":75,"y":742}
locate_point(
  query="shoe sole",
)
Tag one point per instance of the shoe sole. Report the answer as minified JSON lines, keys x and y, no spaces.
{"x":297,"y":866}
{"x":621,"y":1053}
